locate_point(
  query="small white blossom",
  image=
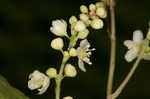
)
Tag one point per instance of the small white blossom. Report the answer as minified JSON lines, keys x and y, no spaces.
{"x":83,"y":53}
{"x":134,"y":46}
{"x":38,"y":81}
{"x":59,"y":27}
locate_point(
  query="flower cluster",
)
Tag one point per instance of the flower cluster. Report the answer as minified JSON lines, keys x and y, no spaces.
{"x":78,"y":31}
{"x":135,"y":47}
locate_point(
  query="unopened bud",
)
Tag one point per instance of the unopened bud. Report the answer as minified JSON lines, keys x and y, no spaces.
{"x":92,"y":7}
{"x":84,"y":17}
{"x":72,"y":20}
{"x":97,"y":24}
{"x":79,"y":26}
{"x":73,"y":52}
{"x":101,"y":12}
{"x":83,"y":34}
{"x":83,"y":9}
{"x":100,"y":4}
{"x":57,"y":44}
{"x":51,"y":72}
{"x":70,"y":70}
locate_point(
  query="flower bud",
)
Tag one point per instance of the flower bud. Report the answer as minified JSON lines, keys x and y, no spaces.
{"x":101,"y":12}
{"x":57,"y":44}
{"x":59,"y":27}
{"x":73,"y":52}
{"x":79,"y":26}
{"x":88,"y":22}
{"x":72,"y":20}
{"x":97,"y":24}
{"x":92,"y":7}
{"x":70,"y":71}
{"x":83,"y":9}
{"x":51,"y":72}
{"x":84,"y":17}
{"x":83,"y":34}
{"x":68,"y":97}
{"x":100,"y":4}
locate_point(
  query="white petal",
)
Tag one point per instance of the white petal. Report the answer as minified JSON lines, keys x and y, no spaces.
{"x":45,"y":86}
{"x":84,"y":44}
{"x":81,"y":65}
{"x":129,"y":44}
{"x":138,"y":36}
{"x":32,"y":84}
{"x":131,"y":55}
{"x":87,"y":60}
{"x":59,"y":27}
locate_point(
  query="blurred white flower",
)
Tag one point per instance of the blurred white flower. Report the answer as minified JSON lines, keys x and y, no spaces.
{"x":83,"y":53}
{"x":68,"y":97}
{"x":134,"y":46}
{"x":38,"y":81}
{"x":59,"y":27}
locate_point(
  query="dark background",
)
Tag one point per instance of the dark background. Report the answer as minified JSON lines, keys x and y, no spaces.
{"x":25,"y":39}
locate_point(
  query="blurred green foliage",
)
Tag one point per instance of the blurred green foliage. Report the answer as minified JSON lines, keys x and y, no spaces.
{"x":9,"y":92}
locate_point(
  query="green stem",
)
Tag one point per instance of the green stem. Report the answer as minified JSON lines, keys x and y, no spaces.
{"x":60,"y":76}
{"x":128,"y":77}
{"x":113,"y":49}
{"x":58,"y":85}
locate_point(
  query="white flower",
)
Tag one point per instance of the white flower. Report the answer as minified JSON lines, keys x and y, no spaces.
{"x":134,"y":46}
{"x":83,"y":53}
{"x":38,"y":81}
{"x":59,"y":27}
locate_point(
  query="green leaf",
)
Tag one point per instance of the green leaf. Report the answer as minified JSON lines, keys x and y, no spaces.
{"x":9,"y":92}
